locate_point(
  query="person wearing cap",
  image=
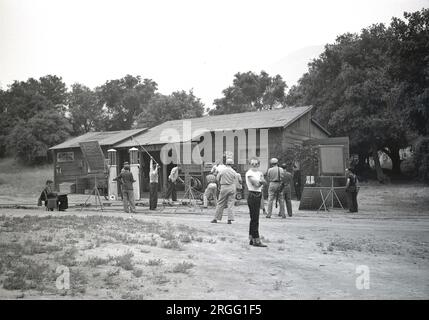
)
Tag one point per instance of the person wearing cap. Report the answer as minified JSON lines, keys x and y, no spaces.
{"x":211,"y":190}
{"x":274,"y":177}
{"x":286,"y":187}
{"x":126,"y":178}
{"x":254,"y":181}
{"x":226,"y":178}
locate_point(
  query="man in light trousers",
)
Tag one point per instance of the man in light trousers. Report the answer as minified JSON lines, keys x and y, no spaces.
{"x":227,"y":180}
{"x":275,"y":176}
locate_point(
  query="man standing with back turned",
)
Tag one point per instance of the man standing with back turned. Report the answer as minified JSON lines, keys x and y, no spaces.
{"x":127,"y":180}
{"x":274,"y":176}
{"x":227,"y":180}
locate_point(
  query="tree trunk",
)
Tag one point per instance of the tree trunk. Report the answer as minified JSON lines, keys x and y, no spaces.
{"x":380,"y":175}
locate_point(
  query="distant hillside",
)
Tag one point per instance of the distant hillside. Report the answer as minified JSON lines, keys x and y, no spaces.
{"x":16,"y":179}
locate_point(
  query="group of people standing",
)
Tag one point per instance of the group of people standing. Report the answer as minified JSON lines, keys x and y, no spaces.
{"x":278,"y":182}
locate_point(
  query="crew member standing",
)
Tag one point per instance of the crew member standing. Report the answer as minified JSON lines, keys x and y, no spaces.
{"x":172,"y":180}
{"x":274,"y":176}
{"x":286,"y":186}
{"x":226,"y":178}
{"x":127,"y":180}
{"x":153,"y":185}
{"x":351,"y":190}
{"x":254,"y":181}
{"x":297,"y":181}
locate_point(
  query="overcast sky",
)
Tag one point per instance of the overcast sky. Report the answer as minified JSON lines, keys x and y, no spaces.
{"x":180,"y":44}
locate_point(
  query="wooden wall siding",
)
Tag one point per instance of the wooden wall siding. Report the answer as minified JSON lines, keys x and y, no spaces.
{"x":71,"y":170}
{"x":317,"y":133}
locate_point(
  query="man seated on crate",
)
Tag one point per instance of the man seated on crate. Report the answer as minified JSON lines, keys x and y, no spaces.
{"x":60,"y":201}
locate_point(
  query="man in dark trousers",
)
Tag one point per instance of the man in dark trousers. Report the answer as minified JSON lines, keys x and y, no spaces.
{"x":297,"y":181}
{"x":153,"y":185}
{"x":171,"y":184}
{"x":286,"y":186}
{"x":127,"y":179}
{"x":351,"y":190}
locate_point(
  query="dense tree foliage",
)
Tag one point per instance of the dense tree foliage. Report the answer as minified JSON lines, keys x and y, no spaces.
{"x":86,"y":113}
{"x":37,"y":114}
{"x":30,"y":140}
{"x":372,"y":87}
{"x":178,"y":105}
{"x":251,"y":92}
{"x":124,"y":99}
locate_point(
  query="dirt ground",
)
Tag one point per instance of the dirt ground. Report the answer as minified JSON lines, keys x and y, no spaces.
{"x":176,"y":253}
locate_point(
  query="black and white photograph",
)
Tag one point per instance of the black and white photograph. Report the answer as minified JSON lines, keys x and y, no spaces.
{"x":231,"y":151}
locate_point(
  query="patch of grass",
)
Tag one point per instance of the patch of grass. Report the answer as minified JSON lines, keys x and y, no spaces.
{"x":172,"y":244}
{"x":31,"y":247}
{"x":78,"y":281}
{"x":68,"y":257}
{"x":125,"y":261}
{"x":154,"y":262}
{"x":222,"y":238}
{"x":160,"y":279}
{"x":280,"y":241}
{"x":168,"y":235}
{"x":97,"y":261}
{"x":344,"y":245}
{"x":14,"y":282}
{"x":281,"y":249}
{"x":137,"y":273}
{"x":183,"y":267}
{"x":113,"y":272}
{"x":185,"y":238}
{"x":199,"y":239}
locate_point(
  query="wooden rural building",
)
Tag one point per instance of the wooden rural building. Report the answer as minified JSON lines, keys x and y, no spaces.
{"x":285,"y":127}
{"x":70,"y":166}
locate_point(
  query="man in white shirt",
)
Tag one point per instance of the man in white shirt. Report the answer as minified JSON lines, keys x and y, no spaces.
{"x":227,"y":179}
{"x":254,"y":181}
{"x":172,"y":180}
{"x":153,"y":185}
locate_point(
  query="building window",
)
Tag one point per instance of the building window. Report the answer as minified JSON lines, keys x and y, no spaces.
{"x":65,"y":156}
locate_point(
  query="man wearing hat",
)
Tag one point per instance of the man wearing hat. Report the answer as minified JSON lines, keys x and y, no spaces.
{"x":211,"y":190}
{"x":227,"y":180}
{"x":275,"y":176}
{"x":126,"y":178}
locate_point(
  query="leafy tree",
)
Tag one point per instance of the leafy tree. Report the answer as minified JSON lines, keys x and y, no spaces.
{"x":30,"y":140}
{"x":124,"y":99}
{"x":251,"y":92}
{"x":86,"y":114}
{"x":178,"y":105}
{"x":27,"y":98}
{"x":409,"y":52}
{"x":24,"y":99}
{"x":358,"y":89}
{"x":4,"y":123}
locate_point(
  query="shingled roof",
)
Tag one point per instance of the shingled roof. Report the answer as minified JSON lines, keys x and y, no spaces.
{"x":237,"y":121}
{"x":104,"y":138}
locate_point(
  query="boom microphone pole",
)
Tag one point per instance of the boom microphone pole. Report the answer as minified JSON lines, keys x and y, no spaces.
{"x":144,"y":149}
